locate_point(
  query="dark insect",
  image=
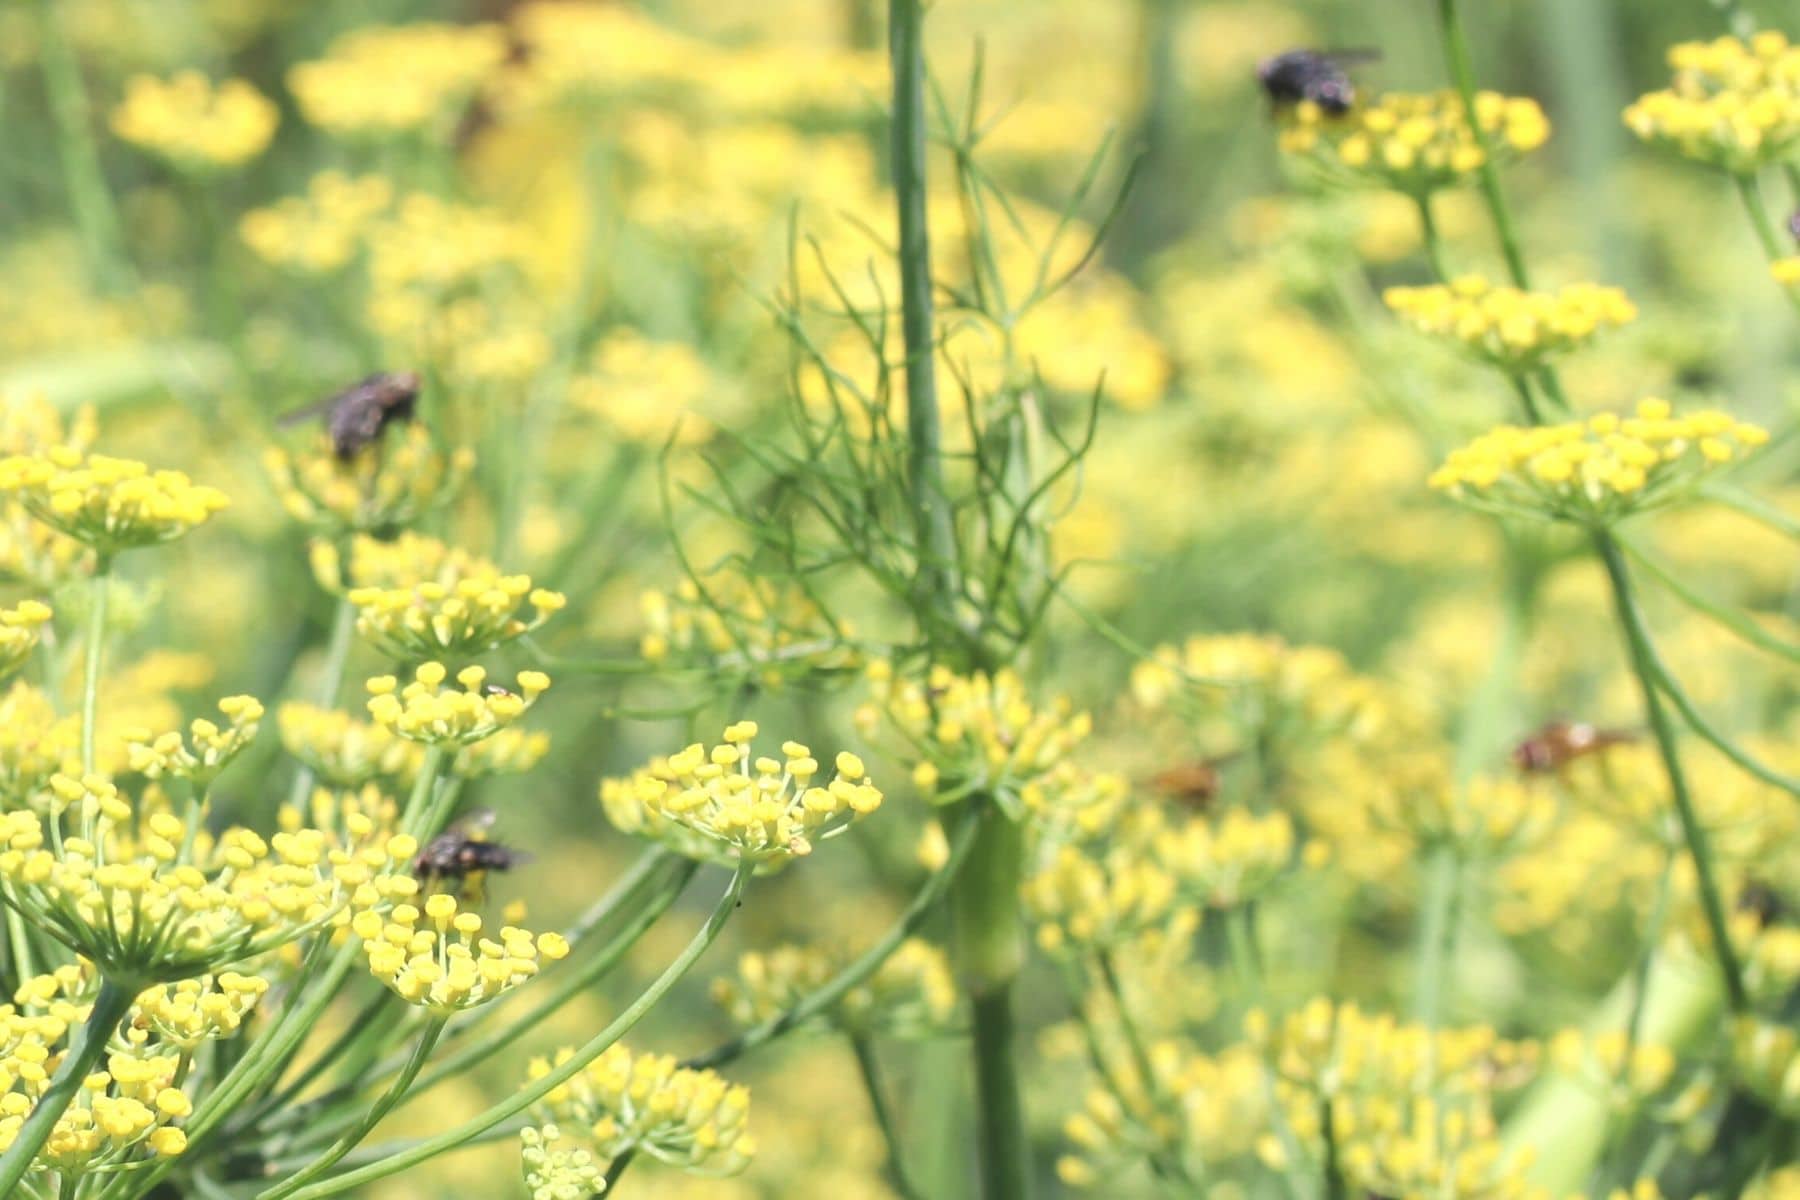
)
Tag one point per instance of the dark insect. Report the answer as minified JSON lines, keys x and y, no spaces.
{"x":463,"y":853}
{"x":356,"y":417}
{"x":1316,"y":75}
{"x":1762,"y":901}
{"x":1559,"y":743}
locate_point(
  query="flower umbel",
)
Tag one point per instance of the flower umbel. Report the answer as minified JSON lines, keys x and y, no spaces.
{"x":19,"y":628}
{"x":193,"y":123}
{"x":111,"y":504}
{"x":1731,"y":104}
{"x":438,"y":959}
{"x":1412,"y":143}
{"x":1512,"y":329}
{"x":427,"y":711}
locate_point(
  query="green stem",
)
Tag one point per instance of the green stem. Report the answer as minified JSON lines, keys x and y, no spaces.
{"x":869,"y":1067}
{"x":1750,"y":192}
{"x":1005,"y":1152}
{"x":83,"y":1055}
{"x":1437,"y":935}
{"x":419,"y":803}
{"x":349,"y":1140}
{"x":1462,"y":72}
{"x":100,"y":586}
{"x":539,"y":1088}
{"x":1637,"y":643}
{"x":1134,"y":1041}
{"x":857,"y":972}
{"x":1428,"y":233}
{"x":935,"y":533}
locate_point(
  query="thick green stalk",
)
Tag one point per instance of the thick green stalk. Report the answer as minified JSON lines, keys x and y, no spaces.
{"x":869,"y":1067}
{"x":96,"y":643}
{"x":1005,"y":1152}
{"x":349,"y":1140}
{"x":83,"y":1055}
{"x":523,"y":1099}
{"x":935,"y":534}
{"x":1637,"y":645}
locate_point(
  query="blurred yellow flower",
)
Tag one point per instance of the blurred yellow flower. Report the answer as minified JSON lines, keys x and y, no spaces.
{"x":194,"y":124}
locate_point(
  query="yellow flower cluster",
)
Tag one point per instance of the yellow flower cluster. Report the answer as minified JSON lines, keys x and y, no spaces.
{"x":1596,"y":471}
{"x":649,"y":1104}
{"x":1327,"y":1046}
{"x":208,"y":749}
{"x":350,"y":818}
{"x":724,"y":804}
{"x":35,"y":743}
{"x":1412,"y":143}
{"x":648,"y":390}
{"x":1084,"y":900}
{"x":1199,"y":1108}
{"x":1766,"y":1059}
{"x":913,"y":994}
{"x":1230,"y":860}
{"x":194,"y":124}
{"x":30,"y":550}
{"x":438,"y":959}
{"x":1628,"y":1076}
{"x":1731,"y":104}
{"x":553,"y":1172}
{"x":403,"y":561}
{"x":384,"y":81}
{"x":19,"y":628}
{"x":110,"y":504}
{"x":511,"y":751}
{"x":467,"y":609}
{"x":120,"y":1115}
{"x":388,"y":485}
{"x":168,"y":902}
{"x":426,"y":711}
{"x":973,"y":733}
{"x":191,"y":1011}
{"x":344,"y":752}
{"x":1513,"y":329}
{"x":741,"y":625}
{"x":322,"y":231}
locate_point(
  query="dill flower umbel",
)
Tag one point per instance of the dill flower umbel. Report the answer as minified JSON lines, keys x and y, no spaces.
{"x":1732,"y":104}
{"x":649,"y":1104}
{"x":740,"y":625}
{"x":343,"y":752}
{"x":192,"y":1011}
{"x":1088,"y":899}
{"x":121,"y":1116}
{"x":383,"y":81}
{"x":19,"y":628}
{"x":194,"y":124}
{"x":647,"y":390}
{"x":322,"y":231}
{"x":35,"y":743}
{"x":723,"y":804}
{"x":157,"y":899}
{"x":467,"y":608}
{"x":438,"y":959}
{"x":426,"y":711}
{"x":1512,"y":329}
{"x":110,"y":504}
{"x":555,"y":1172}
{"x":1227,"y":861}
{"x":1411,"y":143}
{"x":913,"y":994}
{"x":386,"y":485}
{"x":208,"y":749}
{"x":1596,"y":471}
{"x":30,"y":550}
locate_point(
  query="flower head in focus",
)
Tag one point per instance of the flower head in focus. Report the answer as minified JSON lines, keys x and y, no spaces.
{"x":189,"y":1012}
{"x":110,"y":504}
{"x":1597,"y":471}
{"x":437,"y":957}
{"x":1514,"y":330}
{"x":464,"y":610}
{"x":208,"y":749}
{"x":426,"y":711}
{"x":554,"y":1171}
{"x":725,"y":804}
{"x":194,"y":124}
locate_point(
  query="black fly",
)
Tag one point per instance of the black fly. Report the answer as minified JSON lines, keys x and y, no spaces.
{"x":463,"y":853}
{"x":356,"y":417}
{"x":1315,"y":75}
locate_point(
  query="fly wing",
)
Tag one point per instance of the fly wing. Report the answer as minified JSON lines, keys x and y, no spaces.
{"x":477,"y":821}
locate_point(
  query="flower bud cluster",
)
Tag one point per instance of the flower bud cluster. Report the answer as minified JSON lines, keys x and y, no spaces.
{"x":109,"y":504}
{"x":1732,"y":104}
{"x":208,"y":749}
{"x":344,"y":752}
{"x":557,"y":1172}
{"x":457,"y":618}
{"x":322,"y":231}
{"x":438,"y":959}
{"x":1513,"y":329}
{"x":189,"y":1012}
{"x":913,"y":994}
{"x":1412,"y":143}
{"x":428,"y":712}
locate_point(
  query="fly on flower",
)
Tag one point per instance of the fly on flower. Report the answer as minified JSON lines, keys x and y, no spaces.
{"x":463,"y":854}
{"x":356,"y":417}
{"x":1558,"y":743}
{"x":1316,"y":75}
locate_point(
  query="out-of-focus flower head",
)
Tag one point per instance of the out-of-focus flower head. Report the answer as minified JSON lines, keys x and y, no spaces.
{"x":109,"y":504}
{"x":649,"y":390}
{"x":322,"y":231}
{"x":649,"y":1104}
{"x":724,"y":804}
{"x":382,"y":487}
{"x":1628,"y":1075}
{"x":35,"y":743}
{"x":577,"y":50}
{"x":30,"y":550}
{"x":972,"y":733}
{"x":344,"y":752}
{"x":1732,"y":104}
{"x":194,"y":124}
{"x":206,"y":752}
{"x":426,"y":711}
{"x":1512,"y":329}
{"x":740,"y":625}
{"x":1597,"y":471}
{"x":913,"y":994}
{"x":1766,"y":1059}
{"x":1088,"y":899}
{"x":155,"y":899}
{"x":464,"y":608}
{"x":1412,"y":143}
{"x":385,"y":81}
{"x":438,"y":959}
{"x":19,"y":632}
